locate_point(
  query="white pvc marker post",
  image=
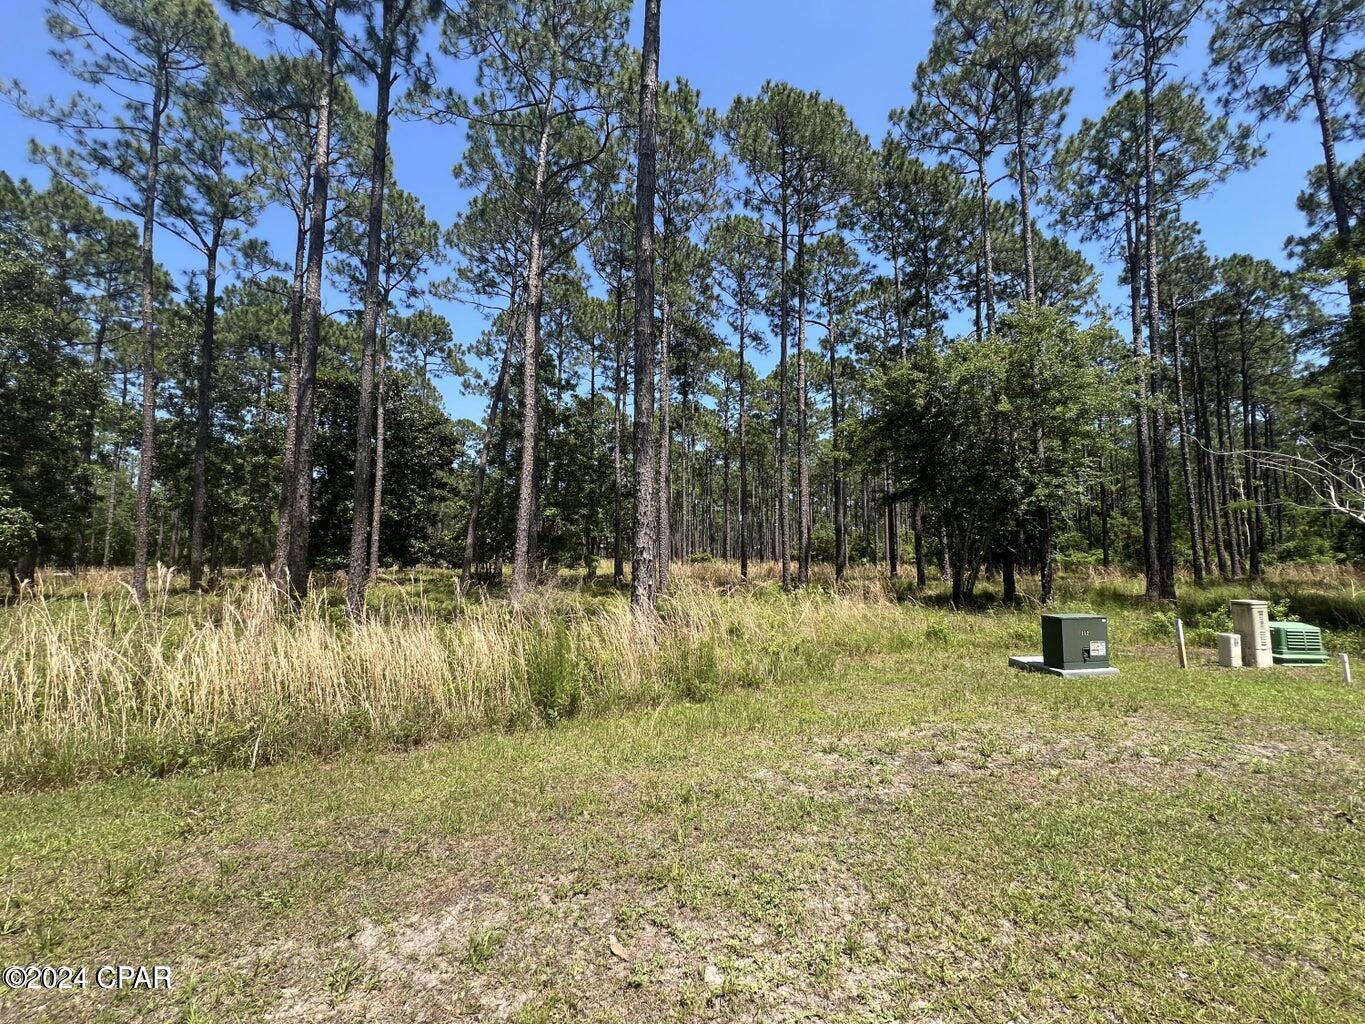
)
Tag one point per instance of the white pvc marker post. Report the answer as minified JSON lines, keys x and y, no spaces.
{"x":1180,"y":643}
{"x":1345,"y":667}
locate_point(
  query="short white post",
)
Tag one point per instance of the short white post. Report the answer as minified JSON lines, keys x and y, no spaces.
{"x":1345,"y":667}
{"x":1180,"y":643}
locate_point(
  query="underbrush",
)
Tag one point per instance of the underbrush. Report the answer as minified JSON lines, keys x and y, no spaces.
{"x":102,"y":688}
{"x":93,"y":686}
{"x":1331,"y":597}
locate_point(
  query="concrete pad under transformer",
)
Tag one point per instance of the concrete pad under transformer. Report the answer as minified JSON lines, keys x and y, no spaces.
{"x":1034,"y":663}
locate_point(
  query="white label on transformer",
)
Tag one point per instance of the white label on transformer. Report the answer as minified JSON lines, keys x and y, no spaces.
{"x":1097,"y":648}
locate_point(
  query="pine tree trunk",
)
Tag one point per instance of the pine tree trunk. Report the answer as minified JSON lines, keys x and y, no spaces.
{"x":727,"y":536}
{"x":107,"y":562}
{"x":530,"y":369}
{"x":1025,"y":213}
{"x":1206,"y":515}
{"x":1104,"y":524}
{"x":893,"y":511}
{"x":987,"y":256}
{"x":1266,"y":480}
{"x":97,"y":368}
{"x":976,"y":300}
{"x":109,"y":508}
{"x":1255,"y":523}
{"x":743,"y":451}
{"x":301,"y":488}
{"x":1140,"y":418}
{"x":495,"y":402}
{"x":618,"y":556}
{"x":804,"y":509}
{"x":896,"y":294}
{"x":377,"y":504}
{"x":837,"y":464}
{"x":917,"y":525}
{"x":1202,"y":430}
{"x":1046,"y":573}
{"x":1191,"y":493}
{"x":664,"y":530}
{"x":589,"y":537}
{"x":1223,"y":423}
{"x":782,"y":486}
{"x":686,"y":514}
{"x":1160,"y":472}
{"x":203,"y":418}
{"x":358,"y":573}
{"x":289,"y":453}
{"x":644,"y":578}
{"x":892,"y":541}
{"x":147,"y":452}
{"x":1009,"y":584}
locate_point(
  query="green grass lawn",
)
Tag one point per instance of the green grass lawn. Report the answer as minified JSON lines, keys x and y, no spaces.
{"x":913,"y":834}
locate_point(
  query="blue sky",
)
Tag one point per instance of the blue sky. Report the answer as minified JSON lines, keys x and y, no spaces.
{"x":860,"y":52}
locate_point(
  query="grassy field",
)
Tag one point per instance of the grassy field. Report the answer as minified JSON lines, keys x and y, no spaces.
{"x":815,"y":808}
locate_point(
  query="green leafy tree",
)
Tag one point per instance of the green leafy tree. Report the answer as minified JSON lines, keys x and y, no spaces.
{"x":949,"y":424}
{"x":93,"y":261}
{"x":45,"y":484}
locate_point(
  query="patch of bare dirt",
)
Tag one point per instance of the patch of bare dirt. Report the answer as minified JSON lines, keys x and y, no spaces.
{"x":886,"y":766}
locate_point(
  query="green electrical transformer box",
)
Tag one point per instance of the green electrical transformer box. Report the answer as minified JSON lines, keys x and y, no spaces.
{"x":1075,"y":641}
{"x":1295,"y":643}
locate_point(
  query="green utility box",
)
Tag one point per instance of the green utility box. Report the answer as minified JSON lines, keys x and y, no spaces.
{"x":1075,"y":641}
{"x":1296,"y":643}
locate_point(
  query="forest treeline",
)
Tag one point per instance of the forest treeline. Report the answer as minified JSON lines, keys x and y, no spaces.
{"x":947,"y":390}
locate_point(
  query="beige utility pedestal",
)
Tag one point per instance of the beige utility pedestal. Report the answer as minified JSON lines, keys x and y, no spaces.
{"x":1251,"y":619}
{"x":1230,"y":650}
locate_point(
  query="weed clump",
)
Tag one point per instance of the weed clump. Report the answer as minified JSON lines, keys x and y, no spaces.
{"x":554,"y":675}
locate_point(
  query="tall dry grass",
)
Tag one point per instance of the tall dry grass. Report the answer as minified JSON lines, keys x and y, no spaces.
{"x":95,"y":686}
{"x":92,"y":685}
